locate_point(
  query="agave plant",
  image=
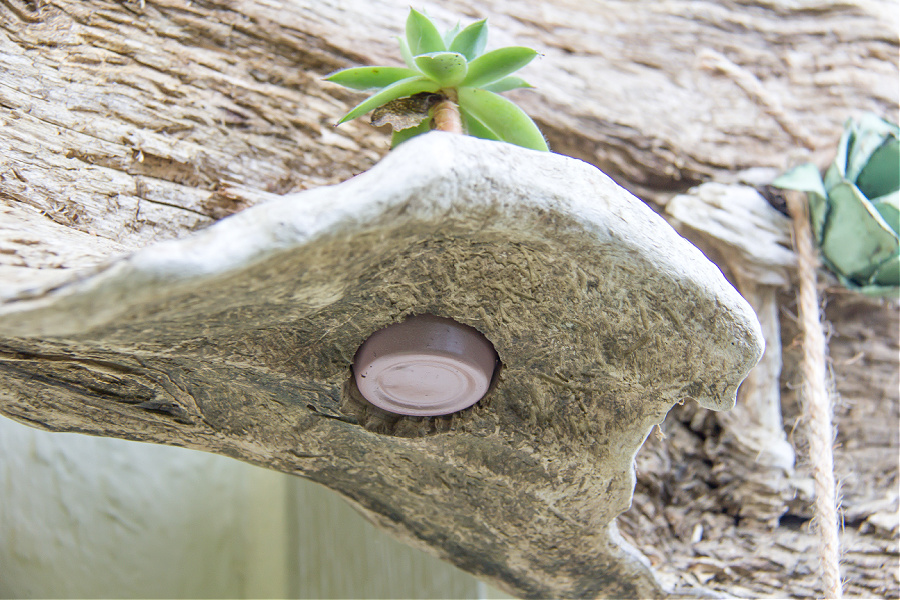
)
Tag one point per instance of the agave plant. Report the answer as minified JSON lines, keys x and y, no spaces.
{"x":855,"y":210}
{"x":449,"y":83}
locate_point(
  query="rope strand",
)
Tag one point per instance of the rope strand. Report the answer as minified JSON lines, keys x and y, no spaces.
{"x":817,"y":405}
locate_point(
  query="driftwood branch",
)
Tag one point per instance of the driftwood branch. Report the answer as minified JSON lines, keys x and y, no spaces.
{"x":128,"y":123}
{"x":239,"y":340}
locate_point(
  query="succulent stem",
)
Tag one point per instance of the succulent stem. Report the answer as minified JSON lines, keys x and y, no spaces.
{"x":446,"y":113}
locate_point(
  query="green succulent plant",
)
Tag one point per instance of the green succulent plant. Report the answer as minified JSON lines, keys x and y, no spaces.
{"x":449,"y":82}
{"x":855,"y":211}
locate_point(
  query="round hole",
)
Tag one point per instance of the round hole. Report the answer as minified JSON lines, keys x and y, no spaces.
{"x":425,"y":366}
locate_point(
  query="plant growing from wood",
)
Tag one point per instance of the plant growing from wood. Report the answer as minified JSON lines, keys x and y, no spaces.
{"x":449,"y":83}
{"x":855,"y":209}
{"x":853,"y":216}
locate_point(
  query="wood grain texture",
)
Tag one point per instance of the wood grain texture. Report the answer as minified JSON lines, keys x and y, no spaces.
{"x":135,"y":121}
{"x":239,"y":340}
{"x":127,"y":123}
{"x":700,"y":503}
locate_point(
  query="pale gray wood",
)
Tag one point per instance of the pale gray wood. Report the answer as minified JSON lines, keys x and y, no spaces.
{"x":126,"y":123}
{"x":134,"y":121}
{"x":239,"y":340}
{"x":752,"y":241}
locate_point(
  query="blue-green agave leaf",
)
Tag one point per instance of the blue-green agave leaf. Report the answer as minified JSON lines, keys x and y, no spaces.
{"x":421,"y":34}
{"x":880,"y":175}
{"x":865,"y":143}
{"x":502,"y":117}
{"x":367,"y":78}
{"x":882,"y":126}
{"x":806,"y":178}
{"x":855,"y":211}
{"x":888,"y":206}
{"x":888,"y":274}
{"x":446,"y":68}
{"x":507,"y":83}
{"x":497,"y":64}
{"x":399,"y":89}
{"x":470,"y":42}
{"x":803,"y":178}
{"x":856,"y":239}
{"x":873,"y":291}
{"x":838,"y":169}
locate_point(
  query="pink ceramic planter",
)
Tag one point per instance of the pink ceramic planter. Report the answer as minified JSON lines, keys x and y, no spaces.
{"x":425,"y":366}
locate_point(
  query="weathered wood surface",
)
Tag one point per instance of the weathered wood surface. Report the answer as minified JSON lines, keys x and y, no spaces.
{"x":239,"y":340}
{"x":694,"y":512}
{"x":737,"y":505}
{"x":139,"y":121}
{"x":124,"y":123}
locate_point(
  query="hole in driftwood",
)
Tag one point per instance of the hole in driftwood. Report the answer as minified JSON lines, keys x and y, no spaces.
{"x":374,"y":419}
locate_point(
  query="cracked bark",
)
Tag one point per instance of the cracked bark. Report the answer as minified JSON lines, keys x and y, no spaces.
{"x":123,"y":123}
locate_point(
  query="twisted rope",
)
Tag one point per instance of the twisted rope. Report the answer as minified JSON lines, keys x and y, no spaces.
{"x":817,"y":404}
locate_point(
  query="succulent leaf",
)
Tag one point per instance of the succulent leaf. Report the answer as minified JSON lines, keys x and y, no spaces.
{"x":862,"y":145}
{"x":451,"y":35}
{"x":888,"y":206}
{"x":406,"y":54}
{"x":462,"y":76}
{"x":446,"y":68}
{"x":470,"y":42}
{"x":399,"y":89}
{"x":502,"y":117}
{"x":806,"y":178}
{"x":497,"y":64}
{"x":507,"y":83}
{"x":855,"y":212}
{"x":856,"y":239}
{"x":887,"y":277}
{"x":421,"y":34}
{"x":476,"y":128}
{"x":837,"y":170}
{"x":401,"y":136}
{"x":367,"y":78}
{"x":881,"y":174}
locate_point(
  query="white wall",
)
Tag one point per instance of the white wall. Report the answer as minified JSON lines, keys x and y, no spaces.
{"x":96,"y":517}
{"x":83,"y":516}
